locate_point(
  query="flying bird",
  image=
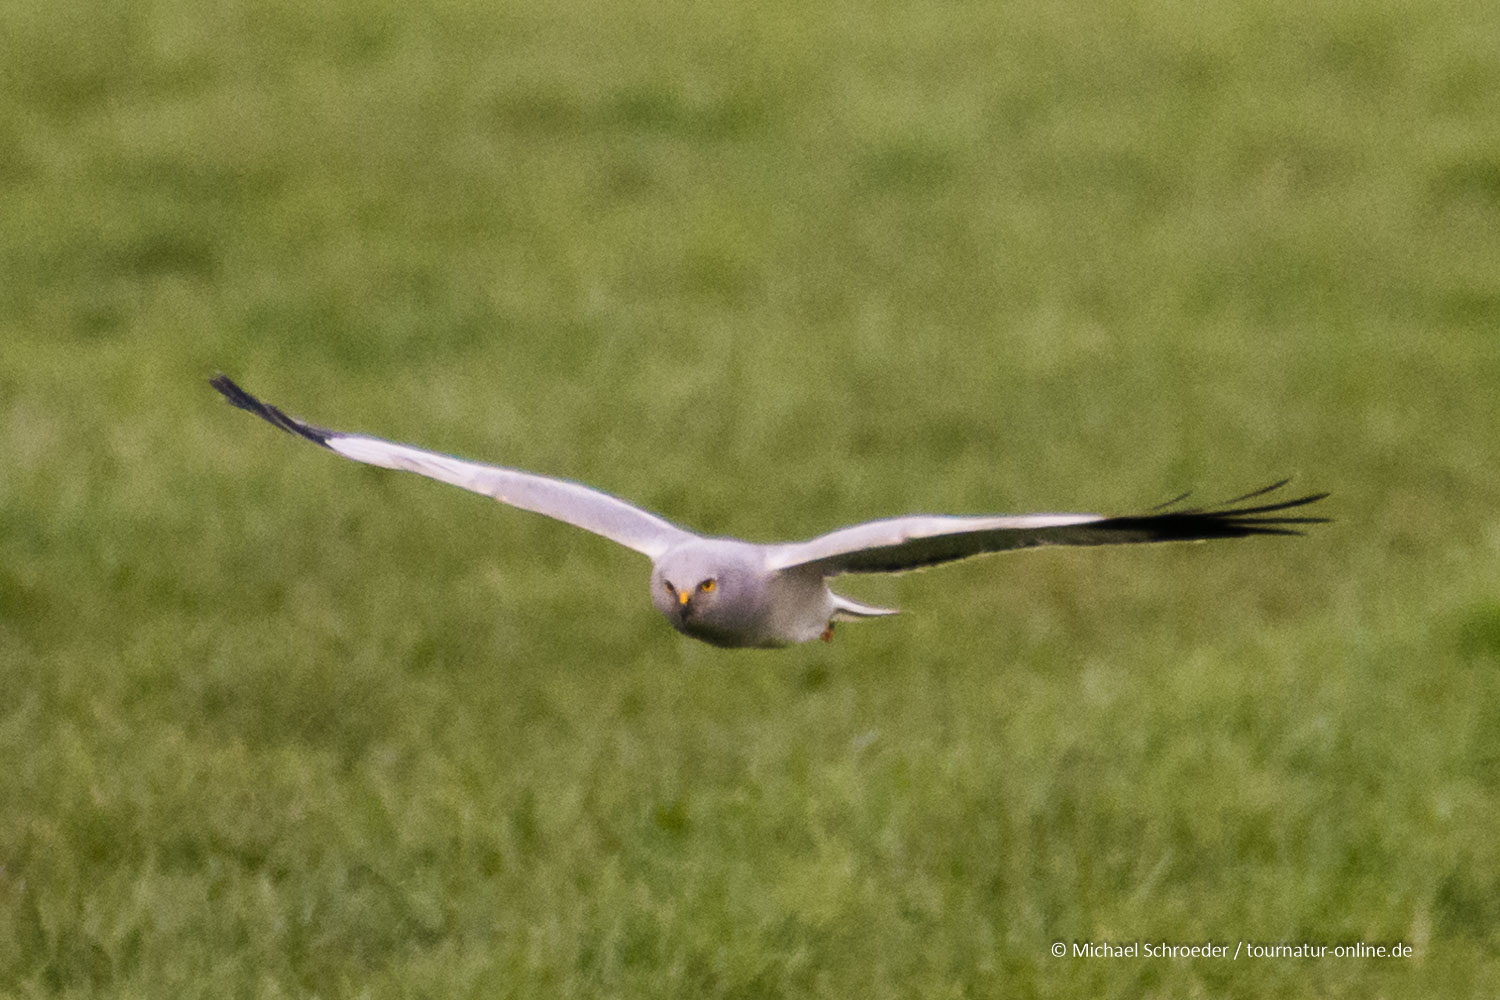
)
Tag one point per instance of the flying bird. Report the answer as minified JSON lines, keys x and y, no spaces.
{"x":735,"y":593}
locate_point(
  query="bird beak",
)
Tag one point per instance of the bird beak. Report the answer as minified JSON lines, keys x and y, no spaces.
{"x":684,"y":596}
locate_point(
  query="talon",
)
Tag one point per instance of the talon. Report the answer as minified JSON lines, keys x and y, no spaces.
{"x":827,"y":635}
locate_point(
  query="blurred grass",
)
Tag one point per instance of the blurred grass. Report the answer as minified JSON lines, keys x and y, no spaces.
{"x":272,"y":724}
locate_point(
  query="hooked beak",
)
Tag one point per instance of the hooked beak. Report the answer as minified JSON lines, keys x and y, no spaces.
{"x":684,"y":596}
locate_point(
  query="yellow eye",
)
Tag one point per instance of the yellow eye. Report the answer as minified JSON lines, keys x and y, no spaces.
{"x":707,"y":585}
{"x":670,"y":589}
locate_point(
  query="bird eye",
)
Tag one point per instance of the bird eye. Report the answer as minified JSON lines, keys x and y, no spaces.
{"x":670,"y":589}
{"x":707,"y":585}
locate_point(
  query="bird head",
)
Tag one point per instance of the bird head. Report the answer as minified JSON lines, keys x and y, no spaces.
{"x":704,"y":590}
{"x":684,"y":585}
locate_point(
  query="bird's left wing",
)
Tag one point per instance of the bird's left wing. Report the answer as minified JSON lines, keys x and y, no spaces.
{"x":906,"y":543}
{"x":561,"y":499}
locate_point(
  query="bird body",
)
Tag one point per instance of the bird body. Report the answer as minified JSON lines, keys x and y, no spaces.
{"x":746,"y":602}
{"x":734,"y":593}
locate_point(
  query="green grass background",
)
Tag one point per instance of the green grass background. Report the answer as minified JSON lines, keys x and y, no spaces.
{"x":276,"y":725}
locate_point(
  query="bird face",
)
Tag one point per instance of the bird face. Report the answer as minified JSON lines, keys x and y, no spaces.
{"x":708,"y":592}
{"x":704,"y":608}
{"x":689,"y":599}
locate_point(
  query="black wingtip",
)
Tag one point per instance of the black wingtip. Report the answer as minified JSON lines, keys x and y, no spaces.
{"x":1259,"y":493}
{"x":1224,"y":520}
{"x":1172,"y":502}
{"x":270,"y":414}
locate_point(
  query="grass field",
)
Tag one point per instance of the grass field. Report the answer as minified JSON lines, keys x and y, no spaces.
{"x":276,"y":725}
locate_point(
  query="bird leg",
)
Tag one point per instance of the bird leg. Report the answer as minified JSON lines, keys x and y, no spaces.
{"x":827,"y":635}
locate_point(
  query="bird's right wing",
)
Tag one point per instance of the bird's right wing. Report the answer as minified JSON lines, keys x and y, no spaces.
{"x":906,"y":543}
{"x":561,"y":499}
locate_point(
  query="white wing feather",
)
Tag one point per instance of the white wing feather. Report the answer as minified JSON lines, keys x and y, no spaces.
{"x":903,"y":543}
{"x":560,"y":499}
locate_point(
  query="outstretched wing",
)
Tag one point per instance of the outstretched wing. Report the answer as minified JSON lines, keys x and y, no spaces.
{"x":566,"y":501}
{"x":905,"y":543}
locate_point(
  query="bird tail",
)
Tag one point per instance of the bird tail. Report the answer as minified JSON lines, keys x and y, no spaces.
{"x":845,"y":610}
